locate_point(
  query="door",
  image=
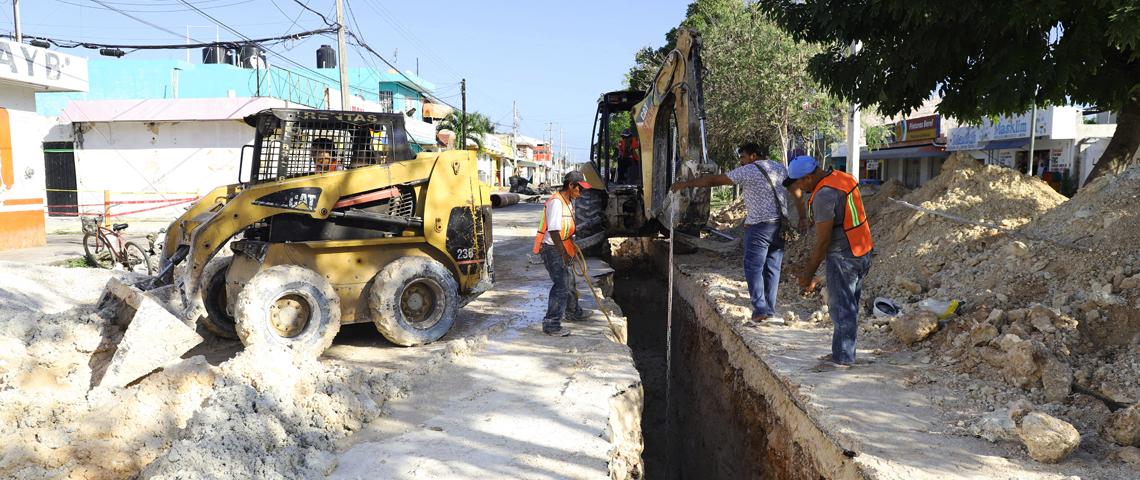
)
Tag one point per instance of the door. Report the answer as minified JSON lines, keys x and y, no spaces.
{"x":59,"y":177}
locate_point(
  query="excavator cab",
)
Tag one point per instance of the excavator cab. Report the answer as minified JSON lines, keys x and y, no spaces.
{"x":631,"y":175}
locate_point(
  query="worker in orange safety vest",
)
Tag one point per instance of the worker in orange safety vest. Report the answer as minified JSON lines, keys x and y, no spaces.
{"x":554,"y":242}
{"x":843,"y":237}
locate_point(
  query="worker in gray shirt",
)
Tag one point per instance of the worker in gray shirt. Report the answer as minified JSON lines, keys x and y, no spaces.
{"x":764,"y":202}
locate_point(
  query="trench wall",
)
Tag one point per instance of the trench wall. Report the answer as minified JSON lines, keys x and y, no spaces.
{"x":729,"y":415}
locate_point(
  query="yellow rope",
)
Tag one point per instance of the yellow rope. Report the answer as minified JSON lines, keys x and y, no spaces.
{"x":582,"y":269}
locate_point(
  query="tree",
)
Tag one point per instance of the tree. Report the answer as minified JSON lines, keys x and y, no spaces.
{"x":477,"y":126}
{"x":700,"y":15}
{"x":982,"y":57}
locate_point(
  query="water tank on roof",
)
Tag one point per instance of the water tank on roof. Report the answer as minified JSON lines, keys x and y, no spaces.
{"x":251,"y":56}
{"x":326,"y":57}
{"x":212,"y":55}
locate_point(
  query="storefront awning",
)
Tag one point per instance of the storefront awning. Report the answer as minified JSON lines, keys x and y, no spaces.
{"x":1012,"y":144}
{"x":925,"y":151}
{"x":528,"y":163}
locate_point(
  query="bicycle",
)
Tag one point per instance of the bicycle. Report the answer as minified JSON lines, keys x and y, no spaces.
{"x":101,"y":252}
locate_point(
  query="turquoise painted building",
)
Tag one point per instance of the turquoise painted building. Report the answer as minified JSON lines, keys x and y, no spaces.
{"x":117,"y":79}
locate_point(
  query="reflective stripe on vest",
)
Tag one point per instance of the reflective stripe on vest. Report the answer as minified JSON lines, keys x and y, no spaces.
{"x":855,"y":225}
{"x":568,"y":226}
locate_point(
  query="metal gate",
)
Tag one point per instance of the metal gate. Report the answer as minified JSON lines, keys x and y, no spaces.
{"x":59,"y":177}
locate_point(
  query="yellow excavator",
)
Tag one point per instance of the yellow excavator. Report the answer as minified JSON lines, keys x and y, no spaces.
{"x":663,"y":140}
{"x":338,"y":222}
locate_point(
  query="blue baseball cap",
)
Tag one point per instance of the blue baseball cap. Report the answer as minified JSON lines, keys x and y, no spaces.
{"x":801,"y":166}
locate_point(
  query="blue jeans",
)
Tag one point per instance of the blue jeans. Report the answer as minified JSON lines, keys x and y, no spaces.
{"x":563,"y":293}
{"x":844,"y":285}
{"x":763,"y":255}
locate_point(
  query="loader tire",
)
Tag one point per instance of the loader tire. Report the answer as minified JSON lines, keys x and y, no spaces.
{"x":287,"y":308}
{"x":217,"y":319}
{"x":590,"y":220}
{"x":413,"y":301}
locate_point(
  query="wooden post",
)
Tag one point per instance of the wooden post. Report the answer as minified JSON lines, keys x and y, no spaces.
{"x":106,"y":207}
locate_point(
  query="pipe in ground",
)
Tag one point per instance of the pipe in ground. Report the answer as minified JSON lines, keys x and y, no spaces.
{"x":504,"y":199}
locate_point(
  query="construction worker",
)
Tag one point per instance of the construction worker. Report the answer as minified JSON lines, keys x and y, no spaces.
{"x":764,"y":203}
{"x":629,"y":159}
{"x":843,"y":237}
{"x":322,"y":151}
{"x":554,"y":242}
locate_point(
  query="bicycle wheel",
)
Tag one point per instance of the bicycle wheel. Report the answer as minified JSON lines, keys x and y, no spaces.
{"x":98,"y":251}
{"x":136,"y":260}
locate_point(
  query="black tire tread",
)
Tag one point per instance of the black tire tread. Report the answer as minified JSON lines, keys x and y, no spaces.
{"x":383,"y":300}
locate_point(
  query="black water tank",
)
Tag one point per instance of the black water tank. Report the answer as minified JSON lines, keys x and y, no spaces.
{"x":230,"y":57}
{"x":251,"y":56}
{"x":326,"y":57}
{"x":213,"y":54}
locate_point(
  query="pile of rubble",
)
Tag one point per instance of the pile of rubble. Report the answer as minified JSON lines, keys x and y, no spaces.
{"x":1050,"y":331}
{"x":251,"y":416}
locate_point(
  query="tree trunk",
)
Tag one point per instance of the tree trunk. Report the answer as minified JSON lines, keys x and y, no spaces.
{"x":784,"y":140}
{"x":1122,"y":148}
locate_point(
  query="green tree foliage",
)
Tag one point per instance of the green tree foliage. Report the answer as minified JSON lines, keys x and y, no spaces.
{"x":982,"y":57}
{"x":756,"y":83}
{"x":477,"y":126}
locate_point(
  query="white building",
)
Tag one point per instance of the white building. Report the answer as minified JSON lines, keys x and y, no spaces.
{"x":1064,"y":145}
{"x":25,"y":70}
{"x":151,"y":158}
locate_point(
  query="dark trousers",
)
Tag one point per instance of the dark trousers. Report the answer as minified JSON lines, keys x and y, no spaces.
{"x":563,"y":301}
{"x":763,"y":255}
{"x":844,"y":286}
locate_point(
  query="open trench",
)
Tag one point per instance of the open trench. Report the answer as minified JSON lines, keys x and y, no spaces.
{"x":706,"y":420}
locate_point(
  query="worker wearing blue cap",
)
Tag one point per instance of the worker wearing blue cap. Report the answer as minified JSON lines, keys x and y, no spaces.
{"x":843,"y":237}
{"x":765,"y":203}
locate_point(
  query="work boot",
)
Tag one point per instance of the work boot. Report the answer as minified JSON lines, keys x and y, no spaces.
{"x":556,"y":331}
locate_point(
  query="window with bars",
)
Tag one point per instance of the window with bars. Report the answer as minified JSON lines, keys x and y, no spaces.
{"x":386,"y":102}
{"x":292,"y":143}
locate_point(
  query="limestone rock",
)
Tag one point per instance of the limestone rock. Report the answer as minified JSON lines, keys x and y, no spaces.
{"x":1129,"y":455}
{"x":1048,"y":439}
{"x":982,"y":333}
{"x":1042,"y":319}
{"x":1130,"y":283}
{"x":1016,"y":249}
{"x":1007,"y":341}
{"x":914,"y":327}
{"x":1123,"y":427}
{"x":1024,"y":363}
{"x":909,"y":285}
{"x":995,"y":426}
{"x":1057,"y":378}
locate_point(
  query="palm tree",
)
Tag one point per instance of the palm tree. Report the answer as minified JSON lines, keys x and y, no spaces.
{"x":477,"y":126}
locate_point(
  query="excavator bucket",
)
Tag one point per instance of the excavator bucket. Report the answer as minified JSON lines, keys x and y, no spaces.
{"x":155,"y":334}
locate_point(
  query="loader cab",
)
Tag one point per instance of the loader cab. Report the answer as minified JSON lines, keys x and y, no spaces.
{"x":616,"y":157}
{"x":293,"y":142}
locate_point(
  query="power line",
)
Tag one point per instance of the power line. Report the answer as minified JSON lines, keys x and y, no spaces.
{"x":61,"y":43}
{"x":106,"y":5}
{"x":144,"y":22}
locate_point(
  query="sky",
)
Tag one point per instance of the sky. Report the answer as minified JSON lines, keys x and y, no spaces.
{"x":554,"y":58}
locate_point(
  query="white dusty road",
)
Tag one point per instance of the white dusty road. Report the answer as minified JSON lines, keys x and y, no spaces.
{"x":520,"y":404}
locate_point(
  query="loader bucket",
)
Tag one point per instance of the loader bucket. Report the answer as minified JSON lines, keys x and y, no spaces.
{"x":155,"y":335}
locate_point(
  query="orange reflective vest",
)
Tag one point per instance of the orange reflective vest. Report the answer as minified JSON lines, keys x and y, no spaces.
{"x":855,"y":224}
{"x":567,"y":226}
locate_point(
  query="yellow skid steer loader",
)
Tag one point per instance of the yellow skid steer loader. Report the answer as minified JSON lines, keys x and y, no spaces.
{"x":337,"y":223}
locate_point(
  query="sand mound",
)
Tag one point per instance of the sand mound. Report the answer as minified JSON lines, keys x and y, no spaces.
{"x":912,"y":246}
{"x":875,"y":200}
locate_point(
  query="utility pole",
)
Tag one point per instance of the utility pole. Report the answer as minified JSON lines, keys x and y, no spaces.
{"x":463,"y":114}
{"x":342,"y":61}
{"x":853,"y":132}
{"x":16,"y":20}
{"x":1032,"y":136}
{"x":515,"y":136}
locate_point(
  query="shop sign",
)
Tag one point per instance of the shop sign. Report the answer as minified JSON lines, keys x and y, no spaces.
{"x":872,"y":164}
{"x":43,"y":68}
{"x":1016,"y":126}
{"x":1005,"y":158}
{"x":1058,"y":161}
{"x":920,"y":128}
{"x":964,"y":138}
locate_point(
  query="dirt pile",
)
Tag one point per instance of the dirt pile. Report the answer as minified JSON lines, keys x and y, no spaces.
{"x":251,"y":416}
{"x":913,"y":247}
{"x":1052,"y":314}
{"x":876,"y":199}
